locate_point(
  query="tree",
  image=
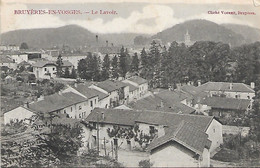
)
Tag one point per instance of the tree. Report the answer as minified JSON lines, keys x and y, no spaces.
{"x":82,"y":66}
{"x":105,"y":68}
{"x":24,"y":46}
{"x":95,"y":68}
{"x":123,"y":67}
{"x":135,"y":63}
{"x":73,"y":73}
{"x":66,"y":73}
{"x":59,"y":63}
{"x":114,"y":65}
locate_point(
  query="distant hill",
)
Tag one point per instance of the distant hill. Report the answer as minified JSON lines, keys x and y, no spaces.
{"x":71,"y":35}
{"x":200,"y":30}
{"x":249,"y":33}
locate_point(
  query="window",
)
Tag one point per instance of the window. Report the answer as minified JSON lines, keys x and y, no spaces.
{"x":45,"y":69}
{"x":214,"y":130}
{"x":71,"y":109}
{"x":95,"y":101}
{"x":79,"y":107}
{"x":91,"y":104}
{"x":248,"y":97}
{"x":54,"y":69}
{"x":79,"y":116}
{"x":236,"y":96}
{"x":64,"y":111}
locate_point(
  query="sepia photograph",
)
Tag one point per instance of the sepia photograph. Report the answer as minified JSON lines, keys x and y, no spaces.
{"x":130,"y":83}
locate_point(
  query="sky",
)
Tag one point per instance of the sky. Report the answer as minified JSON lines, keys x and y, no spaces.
{"x":132,"y":17}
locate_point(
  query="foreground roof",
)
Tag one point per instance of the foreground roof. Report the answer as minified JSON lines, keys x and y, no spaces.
{"x":43,"y":63}
{"x":225,"y":86}
{"x":130,"y":117}
{"x":187,"y":135}
{"x":88,"y":92}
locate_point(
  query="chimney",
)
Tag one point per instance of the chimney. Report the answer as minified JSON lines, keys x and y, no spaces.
{"x":59,"y":93}
{"x":103,"y":116}
{"x":188,"y":83}
{"x":230,"y":86}
{"x":252,"y":85}
{"x":199,"y":82}
{"x":178,"y":85}
{"x":192,"y":83}
{"x":26,"y":105}
{"x":161,"y":131}
{"x":41,"y":98}
{"x":106,"y":43}
{"x":75,"y":85}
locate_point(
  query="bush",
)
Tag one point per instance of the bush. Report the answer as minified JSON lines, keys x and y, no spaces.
{"x":145,"y":163}
{"x":227,"y":155}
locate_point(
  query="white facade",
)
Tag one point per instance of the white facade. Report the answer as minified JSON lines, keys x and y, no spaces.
{"x":173,"y":154}
{"x":143,"y":88}
{"x":42,"y":72}
{"x":11,"y":65}
{"x":214,"y":132}
{"x":19,"y":113}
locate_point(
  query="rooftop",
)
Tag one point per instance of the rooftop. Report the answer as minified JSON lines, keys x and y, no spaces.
{"x":56,"y":102}
{"x":226,"y":103}
{"x":43,"y":63}
{"x":225,"y":86}
{"x":185,"y":134}
{"x":137,"y":79}
{"x":88,"y":92}
{"x":109,"y":85}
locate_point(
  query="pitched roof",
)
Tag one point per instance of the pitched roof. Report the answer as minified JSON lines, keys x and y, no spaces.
{"x":56,"y":102}
{"x":109,"y":85}
{"x":173,"y":119}
{"x":138,"y":80}
{"x":190,"y":89}
{"x":185,"y":134}
{"x":225,"y":86}
{"x":113,"y":116}
{"x":168,"y":101}
{"x":226,"y":103}
{"x":43,"y":63}
{"x":88,"y":92}
{"x":131,"y":87}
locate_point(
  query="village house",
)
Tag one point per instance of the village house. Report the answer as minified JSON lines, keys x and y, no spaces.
{"x":67,"y":64}
{"x":139,"y":82}
{"x":69,"y":103}
{"x":7,"y":62}
{"x":229,"y":90}
{"x":18,"y":57}
{"x":186,"y":146}
{"x":20,"y":113}
{"x":222,"y":107}
{"x":133,"y":92}
{"x":118,"y":91}
{"x":44,"y":69}
{"x":94,"y":97}
{"x":124,"y":127}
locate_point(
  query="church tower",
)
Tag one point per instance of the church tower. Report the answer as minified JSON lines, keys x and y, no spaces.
{"x":187,"y":38}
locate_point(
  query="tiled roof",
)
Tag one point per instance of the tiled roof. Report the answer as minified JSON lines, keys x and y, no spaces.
{"x":24,"y":63}
{"x":225,"y":86}
{"x":110,"y":86}
{"x":42,"y":63}
{"x":138,"y":80}
{"x":185,"y":134}
{"x":226,"y":103}
{"x":56,"y":102}
{"x":173,"y":119}
{"x":114,"y":116}
{"x":168,"y":101}
{"x":190,"y":89}
{"x":90,"y":93}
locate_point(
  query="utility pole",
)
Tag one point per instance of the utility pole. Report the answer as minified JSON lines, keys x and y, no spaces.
{"x":105,"y":146}
{"x":97,"y":133}
{"x":112,"y":149}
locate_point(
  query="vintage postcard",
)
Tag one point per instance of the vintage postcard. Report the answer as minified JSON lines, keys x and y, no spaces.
{"x":130,"y":83}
